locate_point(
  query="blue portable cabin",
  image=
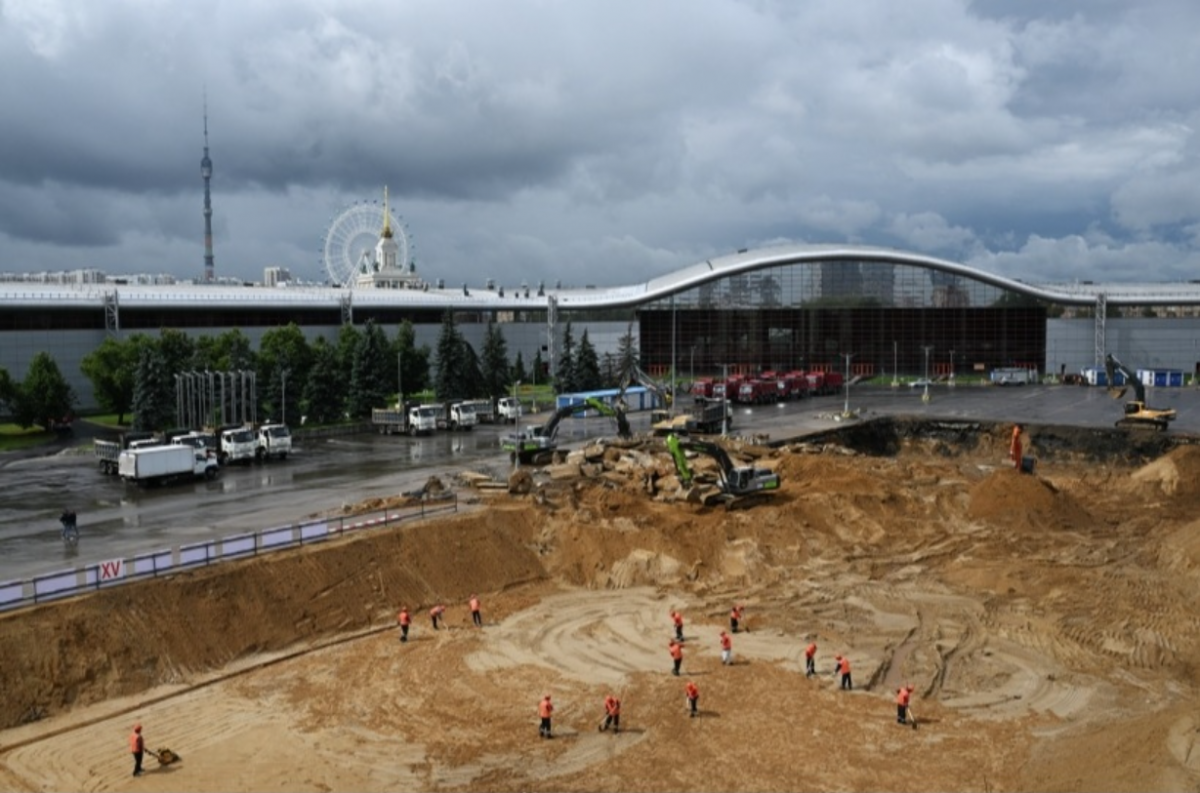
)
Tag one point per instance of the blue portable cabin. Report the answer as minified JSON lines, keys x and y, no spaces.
{"x":1162,"y":378}
{"x":636,"y":398}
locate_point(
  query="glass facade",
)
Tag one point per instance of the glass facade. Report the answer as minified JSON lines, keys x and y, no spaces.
{"x":807,"y":316}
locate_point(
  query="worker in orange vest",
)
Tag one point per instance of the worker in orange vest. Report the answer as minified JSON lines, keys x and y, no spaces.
{"x":612,"y":714}
{"x":435,"y":614}
{"x":676,"y":650}
{"x":404,"y":619}
{"x":476,"y":617}
{"x":544,"y":711}
{"x":735,"y":617}
{"x":810,"y":659}
{"x":693,"y":699}
{"x":726,"y":649}
{"x":1015,"y":448}
{"x":843,"y":668}
{"x":136,"y":747}
{"x":903,"y":695}
{"x":677,"y":618}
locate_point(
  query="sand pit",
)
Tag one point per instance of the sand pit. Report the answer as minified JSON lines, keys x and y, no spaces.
{"x":1047,"y":624}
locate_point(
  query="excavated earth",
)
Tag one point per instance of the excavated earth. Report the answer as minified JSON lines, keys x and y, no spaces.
{"x":1049,"y":624}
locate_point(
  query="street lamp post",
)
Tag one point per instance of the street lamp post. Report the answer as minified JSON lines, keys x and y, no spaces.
{"x":692,"y":365}
{"x":283,"y":387}
{"x":927,"y":348}
{"x":952,"y":368}
{"x":399,"y":380}
{"x":895,"y":364}
{"x":725,"y":400}
{"x":846,"y":382}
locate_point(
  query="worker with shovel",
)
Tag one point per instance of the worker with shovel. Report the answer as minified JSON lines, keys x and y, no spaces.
{"x":405,"y":619}
{"x":612,"y":714}
{"x":476,"y":615}
{"x":676,"y":650}
{"x":903,"y":696}
{"x":137,"y":746}
{"x":677,"y":618}
{"x":810,"y":659}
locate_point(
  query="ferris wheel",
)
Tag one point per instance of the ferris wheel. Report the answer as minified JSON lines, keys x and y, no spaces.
{"x":351,"y":239}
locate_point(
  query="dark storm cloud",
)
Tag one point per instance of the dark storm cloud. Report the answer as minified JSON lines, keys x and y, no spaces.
{"x":618,"y":138}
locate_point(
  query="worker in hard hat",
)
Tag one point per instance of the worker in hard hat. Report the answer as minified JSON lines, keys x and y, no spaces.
{"x":903,"y":697}
{"x":137,"y":746}
{"x":545,"y":709}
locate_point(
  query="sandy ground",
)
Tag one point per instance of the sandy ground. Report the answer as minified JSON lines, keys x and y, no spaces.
{"x":1048,"y":623}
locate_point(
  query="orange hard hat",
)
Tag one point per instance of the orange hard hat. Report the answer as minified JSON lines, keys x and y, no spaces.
{"x":137,"y":728}
{"x":909,"y":686}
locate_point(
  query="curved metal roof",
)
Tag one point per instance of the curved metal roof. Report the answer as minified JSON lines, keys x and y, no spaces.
{"x":182,"y":296}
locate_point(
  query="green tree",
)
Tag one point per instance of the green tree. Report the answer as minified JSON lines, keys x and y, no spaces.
{"x":413,"y":360}
{"x":564,"y":375}
{"x":347,"y":344}
{"x":44,"y":396}
{"x":537,"y":372}
{"x":284,"y":359}
{"x":323,"y":394}
{"x":628,"y":357}
{"x":519,"y":375}
{"x":450,"y":375}
{"x":587,"y":366}
{"x":112,"y":370}
{"x":9,"y":393}
{"x":178,"y":351}
{"x":229,"y":352}
{"x":369,"y":381}
{"x":494,"y":368}
{"x":473,"y":383}
{"x":153,"y":391}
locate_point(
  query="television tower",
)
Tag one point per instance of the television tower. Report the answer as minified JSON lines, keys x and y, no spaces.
{"x":206,"y":172}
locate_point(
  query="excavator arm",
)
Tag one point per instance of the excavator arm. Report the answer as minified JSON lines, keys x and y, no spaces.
{"x":1111,"y":367}
{"x":1137,"y":412}
{"x":616,"y":412}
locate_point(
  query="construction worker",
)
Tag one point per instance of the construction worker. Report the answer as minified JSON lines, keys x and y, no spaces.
{"x":735,"y":617}
{"x":435,"y":614}
{"x":726,"y":649}
{"x":810,"y":659}
{"x":676,"y":650}
{"x":612,"y":714}
{"x":677,"y":618}
{"x":544,"y":711}
{"x":404,"y":619}
{"x":476,"y":617}
{"x":137,"y":745}
{"x":903,"y":695}
{"x":693,"y":699}
{"x":843,"y":668}
{"x":1015,"y":448}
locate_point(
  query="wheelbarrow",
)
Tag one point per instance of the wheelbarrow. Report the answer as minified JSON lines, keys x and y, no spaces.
{"x":165,"y":756}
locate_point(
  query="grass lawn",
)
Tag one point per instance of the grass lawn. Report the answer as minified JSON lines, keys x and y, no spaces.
{"x":13,"y":437}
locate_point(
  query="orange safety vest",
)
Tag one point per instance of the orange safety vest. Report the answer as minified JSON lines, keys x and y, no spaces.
{"x":810,"y":651}
{"x":726,"y":642}
{"x":692,"y":691}
{"x":545,"y":709}
{"x":844,"y":666}
{"x":676,"y":650}
{"x":474,"y":604}
{"x":613,"y":706}
{"x":902,"y":697}
{"x":135,"y":742}
{"x":404,"y":618}
{"x":678,"y":618}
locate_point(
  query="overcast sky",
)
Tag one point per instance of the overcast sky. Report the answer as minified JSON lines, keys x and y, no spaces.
{"x":603,"y":142}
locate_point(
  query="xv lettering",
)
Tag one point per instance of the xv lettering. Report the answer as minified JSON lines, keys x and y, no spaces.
{"x":110,"y":570}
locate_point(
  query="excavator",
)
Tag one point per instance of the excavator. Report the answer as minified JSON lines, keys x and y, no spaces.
{"x":664,"y":394}
{"x":738,"y":487}
{"x":1137,"y":412}
{"x":537,"y":445}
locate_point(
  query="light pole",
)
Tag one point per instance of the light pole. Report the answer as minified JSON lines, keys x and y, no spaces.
{"x":846,"y":382}
{"x":927,"y":348}
{"x":952,"y":368}
{"x":283,"y":387}
{"x":725,"y":400}
{"x":692,"y":365}
{"x":399,"y":380}
{"x":895,"y":364}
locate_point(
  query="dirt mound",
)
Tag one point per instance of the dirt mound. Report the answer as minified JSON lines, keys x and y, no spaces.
{"x":1175,"y":474}
{"x":1023,"y":502}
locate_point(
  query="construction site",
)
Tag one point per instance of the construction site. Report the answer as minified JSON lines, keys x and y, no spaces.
{"x":1046,"y":620}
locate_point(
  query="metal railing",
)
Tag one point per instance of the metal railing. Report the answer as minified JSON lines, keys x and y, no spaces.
{"x":152,"y":564}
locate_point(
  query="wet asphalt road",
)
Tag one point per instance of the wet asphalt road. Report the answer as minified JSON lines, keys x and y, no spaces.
{"x":118,"y":520}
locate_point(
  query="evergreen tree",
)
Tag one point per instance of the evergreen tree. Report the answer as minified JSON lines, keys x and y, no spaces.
{"x":564,"y":375}
{"x":153,"y":391}
{"x":324,"y":391}
{"x":628,"y":357}
{"x":412,"y":360}
{"x":450,"y":377}
{"x":537,"y":373}
{"x":587,"y":366}
{"x":44,"y":396}
{"x":518,"y":375}
{"x":494,"y":368}
{"x":177,"y":351}
{"x":369,"y":383}
{"x":347,"y":343}
{"x":473,"y":382}
{"x":608,"y":371}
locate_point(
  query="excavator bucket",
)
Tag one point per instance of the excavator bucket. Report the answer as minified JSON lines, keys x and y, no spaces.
{"x":1116,"y":392}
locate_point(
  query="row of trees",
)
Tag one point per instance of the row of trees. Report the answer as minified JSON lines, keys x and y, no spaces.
{"x":324,"y":381}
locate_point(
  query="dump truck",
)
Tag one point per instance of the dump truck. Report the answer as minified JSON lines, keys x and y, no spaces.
{"x":274,"y":441}
{"x":703,"y":417}
{"x":107,"y":452}
{"x":412,"y":419}
{"x":162,"y":464}
{"x":238,"y":445}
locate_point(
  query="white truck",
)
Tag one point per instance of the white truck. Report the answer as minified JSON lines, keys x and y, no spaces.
{"x":274,"y":440}
{"x":108,"y":452}
{"x":456,"y":416}
{"x":412,"y":419}
{"x":238,"y":445}
{"x":161,"y":464}
{"x":508,"y":410}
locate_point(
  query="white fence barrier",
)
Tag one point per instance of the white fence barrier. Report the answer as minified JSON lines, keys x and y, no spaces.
{"x":114,"y":572}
